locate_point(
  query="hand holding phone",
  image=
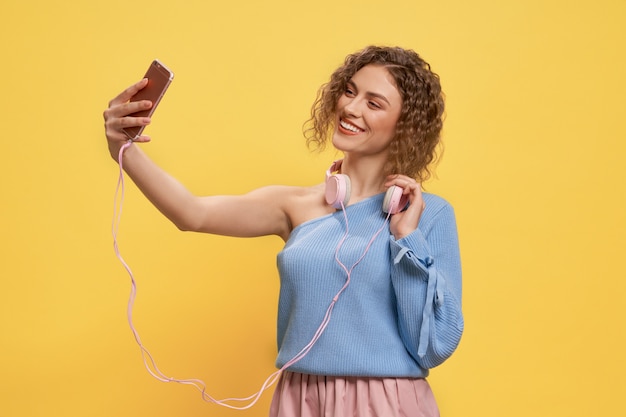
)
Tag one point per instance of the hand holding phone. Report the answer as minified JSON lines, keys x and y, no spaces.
{"x":159,"y":78}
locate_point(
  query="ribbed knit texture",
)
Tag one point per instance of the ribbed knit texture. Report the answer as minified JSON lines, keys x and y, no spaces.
{"x":401,"y":313}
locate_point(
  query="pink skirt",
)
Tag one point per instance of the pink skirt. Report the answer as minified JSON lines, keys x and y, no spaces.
{"x":302,"y":395}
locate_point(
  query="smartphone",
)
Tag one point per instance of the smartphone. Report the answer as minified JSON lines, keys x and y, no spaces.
{"x":159,"y":78}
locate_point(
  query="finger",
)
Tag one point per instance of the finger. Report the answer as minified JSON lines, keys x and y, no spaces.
{"x":142,"y":138}
{"x":128,"y":93}
{"x":126,"y":122}
{"x":123,"y":137}
{"x":114,"y":127}
{"x":399,"y":177}
{"x":121,"y":110}
{"x":415,"y":188}
{"x":402,"y":181}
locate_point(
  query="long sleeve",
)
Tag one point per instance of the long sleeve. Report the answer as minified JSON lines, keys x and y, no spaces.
{"x":426,"y":276}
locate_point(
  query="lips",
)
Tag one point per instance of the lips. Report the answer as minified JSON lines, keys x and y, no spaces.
{"x":348,"y":127}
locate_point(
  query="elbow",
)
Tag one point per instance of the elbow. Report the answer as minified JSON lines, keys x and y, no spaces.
{"x":183,"y":227}
{"x":440,"y":349}
{"x":186,"y":226}
{"x":186,"y":217}
{"x":186,"y":223}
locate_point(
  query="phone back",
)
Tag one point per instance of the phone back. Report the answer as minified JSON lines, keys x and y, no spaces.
{"x":159,"y":78}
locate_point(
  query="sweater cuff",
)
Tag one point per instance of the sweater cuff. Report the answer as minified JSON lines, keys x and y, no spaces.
{"x":412,"y":246}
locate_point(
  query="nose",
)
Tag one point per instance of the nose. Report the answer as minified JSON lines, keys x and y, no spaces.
{"x":353,"y":108}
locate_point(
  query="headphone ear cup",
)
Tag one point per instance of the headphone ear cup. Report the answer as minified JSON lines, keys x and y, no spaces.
{"x":394,"y":201}
{"x":337,"y":190}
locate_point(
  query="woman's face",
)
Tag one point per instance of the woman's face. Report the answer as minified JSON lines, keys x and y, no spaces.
{"x":367,"y":112}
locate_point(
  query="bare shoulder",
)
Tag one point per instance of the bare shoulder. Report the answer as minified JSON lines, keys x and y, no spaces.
{"x":300,"y":204}
{"x":281,"y":194}
{"x":306,"y":204}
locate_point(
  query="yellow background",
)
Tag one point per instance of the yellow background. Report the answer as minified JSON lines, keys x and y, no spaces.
{"x":534,"y":165}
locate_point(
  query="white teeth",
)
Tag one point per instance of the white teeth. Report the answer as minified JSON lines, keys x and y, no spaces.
{"x":349,"y":127}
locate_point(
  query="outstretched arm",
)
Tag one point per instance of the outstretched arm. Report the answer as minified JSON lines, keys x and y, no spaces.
{"x":257,"y":213}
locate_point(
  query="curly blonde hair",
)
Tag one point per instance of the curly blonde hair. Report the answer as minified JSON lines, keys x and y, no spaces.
{"x":414,"y":147}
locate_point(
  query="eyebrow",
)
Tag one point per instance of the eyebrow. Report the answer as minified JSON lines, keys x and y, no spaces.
{"x":370,"y":93}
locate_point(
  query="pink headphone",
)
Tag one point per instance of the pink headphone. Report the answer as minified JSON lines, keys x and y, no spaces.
{"x":338,"y":191}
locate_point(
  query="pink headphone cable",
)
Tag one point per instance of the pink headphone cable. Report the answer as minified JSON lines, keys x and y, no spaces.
{"x":200,"y":385}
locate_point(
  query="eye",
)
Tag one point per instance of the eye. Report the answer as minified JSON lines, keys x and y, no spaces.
{"x":349,"y":92}
{"x":374,"y":105}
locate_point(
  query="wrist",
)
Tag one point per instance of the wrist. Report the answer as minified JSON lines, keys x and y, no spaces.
{"x":116,"y":147}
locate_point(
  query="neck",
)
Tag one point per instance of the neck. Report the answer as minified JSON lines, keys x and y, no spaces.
{"x":366,"y":175}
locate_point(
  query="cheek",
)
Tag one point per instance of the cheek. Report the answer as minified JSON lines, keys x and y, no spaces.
{"x":395,"y":119}
{"x":388,"y":125}
{"x":341,"y":101}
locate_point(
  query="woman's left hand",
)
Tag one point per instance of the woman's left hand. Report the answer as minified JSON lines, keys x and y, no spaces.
{"x":405,"y":222}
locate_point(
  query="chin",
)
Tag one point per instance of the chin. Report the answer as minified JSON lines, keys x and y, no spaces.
{"x":337,"y":141}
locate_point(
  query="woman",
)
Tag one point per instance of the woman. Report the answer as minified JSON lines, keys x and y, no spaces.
{"x":393,"y":280}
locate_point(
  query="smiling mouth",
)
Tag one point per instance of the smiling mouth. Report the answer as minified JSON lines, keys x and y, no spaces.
{"x":350,"y":127}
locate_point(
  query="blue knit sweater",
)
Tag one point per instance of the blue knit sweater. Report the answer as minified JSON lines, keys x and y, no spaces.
{"x":401,"y":313}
